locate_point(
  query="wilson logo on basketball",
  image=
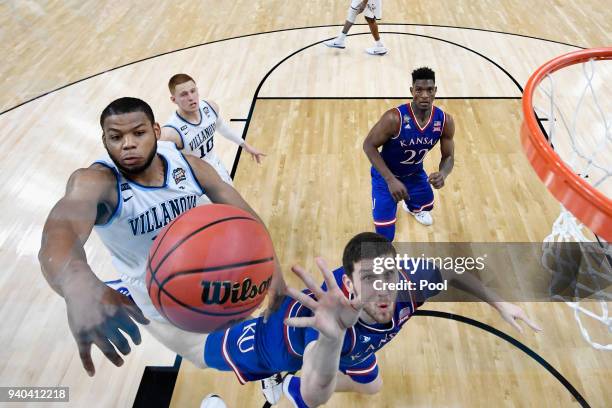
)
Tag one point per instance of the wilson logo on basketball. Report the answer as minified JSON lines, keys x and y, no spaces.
{"x":222,"y":291}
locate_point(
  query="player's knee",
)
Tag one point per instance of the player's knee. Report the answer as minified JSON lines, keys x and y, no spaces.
{"x":373,"y":387}
{"x":195,"y":355}
{"x":351,"y":14}
{"x":197,"y":361}
{"x":314,"y":395}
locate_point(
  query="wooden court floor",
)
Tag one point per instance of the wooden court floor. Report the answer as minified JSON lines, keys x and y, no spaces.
{"x":309,"y":108}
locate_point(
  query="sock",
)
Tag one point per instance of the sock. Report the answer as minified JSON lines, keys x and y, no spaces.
{"x":379,"y":43}
{"x":342,"y":37}
{"x":291,"y":388}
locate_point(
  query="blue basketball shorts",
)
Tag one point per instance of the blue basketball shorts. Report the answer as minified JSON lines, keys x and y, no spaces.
{"x":384,"y":207}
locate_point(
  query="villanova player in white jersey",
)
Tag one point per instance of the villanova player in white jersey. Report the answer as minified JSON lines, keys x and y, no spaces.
{"x":406,"y":134}
{"x":193,"y":125}
{"x":373,"y":12}
{"x":127,"y":197}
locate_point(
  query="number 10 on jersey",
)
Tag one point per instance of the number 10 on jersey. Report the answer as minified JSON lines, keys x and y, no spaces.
{"x":206,"y":149}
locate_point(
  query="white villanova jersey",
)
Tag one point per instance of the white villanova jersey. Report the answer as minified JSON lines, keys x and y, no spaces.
{"x":140,"y":215}
{"x":198,"y":138}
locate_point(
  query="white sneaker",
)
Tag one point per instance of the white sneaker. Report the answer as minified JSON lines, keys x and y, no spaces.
{"x":272,"y":388}
{"x":335,"y":43}
{"x":423,"y":217}
{"x":377,"y":50}
{"x":212,"y":401}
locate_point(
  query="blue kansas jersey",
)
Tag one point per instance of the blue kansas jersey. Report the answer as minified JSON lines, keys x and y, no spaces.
{"x":404,"y":153}
{"x":256,"y":350}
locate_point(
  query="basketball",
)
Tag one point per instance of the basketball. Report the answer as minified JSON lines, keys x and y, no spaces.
{"x":210,"y":267}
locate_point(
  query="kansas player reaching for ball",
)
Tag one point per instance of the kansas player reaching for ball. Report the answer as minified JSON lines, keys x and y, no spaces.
{"x":406,"y":134}
{"x":128,"y":196}
{"x":192,"y":127}
{"x":332,"y":333}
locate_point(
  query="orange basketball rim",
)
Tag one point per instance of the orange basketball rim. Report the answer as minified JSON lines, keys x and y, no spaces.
{"x":585,"y":202}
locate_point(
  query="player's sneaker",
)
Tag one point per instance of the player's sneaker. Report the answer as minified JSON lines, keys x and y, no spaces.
{"x":212,"y":401}
{"x":291,"y":389}
{"x":272,"y":388}
{"x":423,"y":217}
{"x":377,"y":50}
{"x":335,"y":43}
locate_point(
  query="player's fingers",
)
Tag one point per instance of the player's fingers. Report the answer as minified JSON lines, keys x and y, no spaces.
{"x":327,"y":275}
{"x":529,"y":322}
{"x":300,"y":321}
{"x":120,"y":342}
{"x":302,"y":298}
{"x":135,"y":312}
{"x":84,"y":347}
{"x":514,"y":324}
{"x":266,"y":314}
{"x":108,"y":350}
{"x":307,"y":279}
{"x":128,"y":326}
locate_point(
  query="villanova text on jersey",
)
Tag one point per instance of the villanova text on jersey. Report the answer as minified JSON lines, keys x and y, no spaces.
{"x":160,"y":215}
{"x":202,"y":137}
{"x":404,"y":153}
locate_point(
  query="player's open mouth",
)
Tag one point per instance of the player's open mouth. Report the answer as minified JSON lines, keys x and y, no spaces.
{"x":383,"y":306}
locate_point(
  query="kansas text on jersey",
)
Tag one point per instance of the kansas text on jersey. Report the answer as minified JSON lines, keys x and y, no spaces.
{"x":404,"y":153}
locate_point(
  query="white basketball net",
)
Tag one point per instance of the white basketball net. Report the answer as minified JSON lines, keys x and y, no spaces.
{"x":578,"y":123}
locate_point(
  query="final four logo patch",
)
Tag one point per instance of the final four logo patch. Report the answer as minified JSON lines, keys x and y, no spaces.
{"x":179,"y":175}
{"x":406,"y":122}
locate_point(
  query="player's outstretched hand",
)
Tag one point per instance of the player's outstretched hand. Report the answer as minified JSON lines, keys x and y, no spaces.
{"x":436,"y":179}
{"x":511,"y":313}
{"x":255,"y":154}
{"x":96,"y":314}
{"x":397,"y":189}
{"x":333,"y":312}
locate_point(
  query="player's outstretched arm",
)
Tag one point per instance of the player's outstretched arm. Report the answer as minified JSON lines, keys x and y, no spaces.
{"x":333,"y":314}
{"x":222,"y":193}
{"x":96,"y":312}
{"x":169,"y":134}
{"x":508,"y":311}
{"x":447,"y":147}
{"x":230,"y":134}
{"x":386,"y":128}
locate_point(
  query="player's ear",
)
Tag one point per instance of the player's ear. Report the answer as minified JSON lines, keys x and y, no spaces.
{"x":157,"y":130}
{"x":411,"y":91}
{"x":348,"y":283}
{"x":172,"y":98}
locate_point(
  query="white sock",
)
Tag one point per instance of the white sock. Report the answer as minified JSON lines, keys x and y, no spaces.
{"x":341,"y":37}
{"x":379,"y":44}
